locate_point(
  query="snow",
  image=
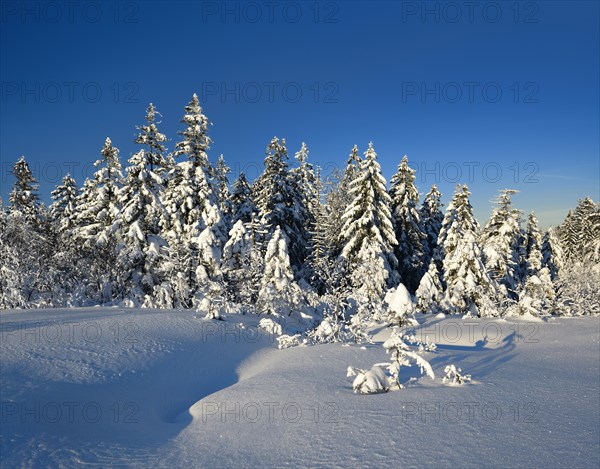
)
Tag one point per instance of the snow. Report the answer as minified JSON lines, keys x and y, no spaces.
{"x":179,"y":391}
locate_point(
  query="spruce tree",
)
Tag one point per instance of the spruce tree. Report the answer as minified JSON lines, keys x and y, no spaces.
{"x":194,"y":224}
{"x":407,"y":223}
{"x":280,"y":202}
{"x":279,"y":294}
{"x":431,"y":219}
{"x":367,"y":235}
{"x":242,"y":205}
{"x":501,"y":242}
{"x":552,"y":254}
{"x":468,"y":286}
{"x":533,"y":246}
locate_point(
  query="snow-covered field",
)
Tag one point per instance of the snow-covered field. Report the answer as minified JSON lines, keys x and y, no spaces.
{"x":147,"y":388}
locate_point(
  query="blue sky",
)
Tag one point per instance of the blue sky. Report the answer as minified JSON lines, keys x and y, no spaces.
{"x":500,"y":94}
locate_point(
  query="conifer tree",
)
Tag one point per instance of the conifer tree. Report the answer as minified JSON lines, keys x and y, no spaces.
{"x":194,"y":224}
{"x":242,"y":205}
{"x":407,"y":223}
{"x":431,"y":219}
{"x":367,"y":235}
{"x":279,"y":294}
{"x":468,"y":286}
{"x":501,"y":242}
{"x":280,"y":203}
{"x":552,"y":254}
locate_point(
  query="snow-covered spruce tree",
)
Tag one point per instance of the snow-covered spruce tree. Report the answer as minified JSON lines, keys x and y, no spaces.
{"x":11,"y":295}
{"x":223,"y":195}
{"x":242,"y":205}
{"x":339,"y":198}
{"x":194,"y":225}
{"x":94,"y":233}
{"x":24,"y":198}
{"x":568,"y":233}
{"x":501,"y":242}
{"x":407,"y":224}
{"x":280,"y":203}
{"x":236,"y":264}
{"x":29,"y":238}
{"x":537,"y":296}
{"x":430,"y":292}
{"x":469,"y":289}
{"x":401,"y":355}
{"x":552,"y":254}
{"x":431,"y":219}
{"x":587,"y":215}
{"x":368,"y":237}
{"x":151,"y":138}
{"x":62,"y":209}
{"x":140,"y":223}
{"x":321,"y":245}
{"x":279,"y":294}
{"x":195,"y":140}
{"x":63,"y":219}
{"x":533,"y":247}
{"x":578,"y":279}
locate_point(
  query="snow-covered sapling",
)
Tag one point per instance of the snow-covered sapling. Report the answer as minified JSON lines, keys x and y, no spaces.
{"x":455,"y":376}
{"x":401,"y":307}
{"x":373,"y":381}
{"x":402,"y":355}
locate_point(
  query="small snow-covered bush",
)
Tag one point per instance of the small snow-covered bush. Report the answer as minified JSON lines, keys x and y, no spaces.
{"x":287,"y":341}
{"x":401,"y":307}
{"x":455,"y":376}
{"x":402,"y":355}
{"x":270,"y":326}
{"x":371,"y":381}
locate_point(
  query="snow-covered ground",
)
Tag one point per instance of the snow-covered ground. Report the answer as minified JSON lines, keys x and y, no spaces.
{"x":147,"y":388}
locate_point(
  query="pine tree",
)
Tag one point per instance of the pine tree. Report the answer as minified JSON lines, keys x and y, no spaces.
{"x":431,"y":219}
{"x":367,"y":235}
{"x":569,"y":236}
{"x":468,"y":286}
{"x":407,"y":223}
{"x":501,"y":242}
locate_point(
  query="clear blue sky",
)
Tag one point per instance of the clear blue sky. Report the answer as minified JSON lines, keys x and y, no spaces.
{"x":416,"y":78}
